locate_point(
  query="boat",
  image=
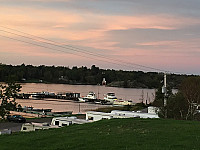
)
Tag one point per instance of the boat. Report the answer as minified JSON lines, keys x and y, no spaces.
{"x":37,"y":95}
{"x":82,"y":99}
{"x":122,"y":102}
{"x":91,"y":96}
{"x":110,"y":97}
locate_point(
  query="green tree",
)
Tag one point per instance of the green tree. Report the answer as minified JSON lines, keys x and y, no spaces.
{"x":177,"y":106}
{"x":182,"y":105}
{"x":159,"y":100}
{"x":7,"y":97}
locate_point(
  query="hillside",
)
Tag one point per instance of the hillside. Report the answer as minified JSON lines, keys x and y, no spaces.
{"x":111,"y":134}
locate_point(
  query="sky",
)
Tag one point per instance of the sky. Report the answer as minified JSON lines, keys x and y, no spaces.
{"x":146,"y":35}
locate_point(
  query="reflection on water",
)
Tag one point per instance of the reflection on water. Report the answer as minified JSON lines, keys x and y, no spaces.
{"x":136,"y":95}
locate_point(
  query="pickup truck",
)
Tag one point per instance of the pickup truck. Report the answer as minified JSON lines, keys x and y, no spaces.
{"x":16,"y":118}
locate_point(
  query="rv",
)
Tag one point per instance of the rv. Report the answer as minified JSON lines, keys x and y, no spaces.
{"x":66,"y":121}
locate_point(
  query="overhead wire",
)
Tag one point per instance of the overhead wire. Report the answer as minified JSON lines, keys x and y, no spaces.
{"x":62,"y":50}
{"x":82,"y":50}
{"x":69,"y":47}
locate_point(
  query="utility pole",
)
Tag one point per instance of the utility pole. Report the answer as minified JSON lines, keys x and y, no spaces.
{"x":79,"y":108}
{"x":147,"y":98}
{"x":165,"y":93}
{"x":165,"y":89}
{"x":142,"y":96}
{"x":98,"y":91}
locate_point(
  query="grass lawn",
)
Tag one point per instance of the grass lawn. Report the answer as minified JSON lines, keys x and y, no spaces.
{"x":112,"y":134}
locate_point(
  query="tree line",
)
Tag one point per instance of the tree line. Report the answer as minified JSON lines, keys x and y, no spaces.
{"x":84,"y":75}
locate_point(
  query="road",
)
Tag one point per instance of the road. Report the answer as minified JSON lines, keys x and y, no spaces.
{"x":15,"y":127}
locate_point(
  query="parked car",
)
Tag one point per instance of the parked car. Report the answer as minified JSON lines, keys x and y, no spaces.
{"x":16,"y":118}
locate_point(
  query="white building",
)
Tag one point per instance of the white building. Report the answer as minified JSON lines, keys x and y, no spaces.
{"x":95,"y":116}
{"x":153,"y":110}
{"x":132,"y":114}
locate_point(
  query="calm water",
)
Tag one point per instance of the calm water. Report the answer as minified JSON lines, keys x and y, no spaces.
{"x":62,"y":105}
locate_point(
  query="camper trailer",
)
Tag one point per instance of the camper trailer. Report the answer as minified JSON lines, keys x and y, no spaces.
{"x":66,"y":121}
{"x":27,"y":127}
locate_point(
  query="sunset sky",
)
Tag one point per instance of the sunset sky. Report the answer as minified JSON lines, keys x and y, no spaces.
{"x":160,"y":34}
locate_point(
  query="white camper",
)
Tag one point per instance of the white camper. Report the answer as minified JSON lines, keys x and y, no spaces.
{"x":27,"y":127}
{"x":66,"y":121}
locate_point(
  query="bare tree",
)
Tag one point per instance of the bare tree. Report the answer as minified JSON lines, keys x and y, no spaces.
{"x":191,"y":92}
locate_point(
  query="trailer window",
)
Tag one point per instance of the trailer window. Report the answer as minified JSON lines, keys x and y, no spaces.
{"x":90,"y":118}
{"x":56,"y":122}
{"x":64,"y":124}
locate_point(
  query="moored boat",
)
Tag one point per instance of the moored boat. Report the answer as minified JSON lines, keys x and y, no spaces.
{"x":122,"y":102}
{"x":91,"y":96}
{"x":110,"y":97}
{"x":37,"y":95}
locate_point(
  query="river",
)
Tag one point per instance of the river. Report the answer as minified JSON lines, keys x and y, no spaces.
{"x":136,"y":95}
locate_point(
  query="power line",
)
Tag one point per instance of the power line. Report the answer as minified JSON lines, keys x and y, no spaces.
{"x":99,"y":55}
{"x":61,"y":50}
{"x":64,"y":51}
{"x":78,"y":49}
{"x":82,"y":50}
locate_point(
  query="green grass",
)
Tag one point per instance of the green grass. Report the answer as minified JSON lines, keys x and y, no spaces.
{"x":124,"y":134}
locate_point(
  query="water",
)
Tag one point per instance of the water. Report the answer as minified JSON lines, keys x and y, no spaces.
{"x":63,"y":105}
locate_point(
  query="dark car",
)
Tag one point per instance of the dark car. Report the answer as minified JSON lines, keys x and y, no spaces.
{"x":16,"y":118}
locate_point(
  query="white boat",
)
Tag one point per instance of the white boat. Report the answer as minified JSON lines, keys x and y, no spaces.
{"x":90,"y":97}
{"x":122,"y":102}
{"x":110,"y":97}
{"x":82,"y":99}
